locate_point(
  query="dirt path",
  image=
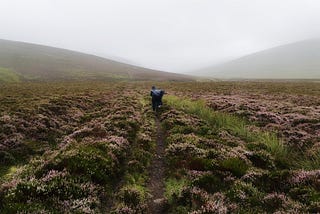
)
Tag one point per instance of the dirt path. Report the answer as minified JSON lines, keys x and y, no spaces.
{"x":156,"y":183}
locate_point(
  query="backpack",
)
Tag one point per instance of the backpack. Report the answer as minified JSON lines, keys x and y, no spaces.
{"x":158,"y":93}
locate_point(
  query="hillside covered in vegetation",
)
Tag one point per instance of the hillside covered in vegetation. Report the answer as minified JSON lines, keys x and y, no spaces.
{"x":299,"y":60}
{"x":21,"y":61}
{"x":85,"y":148}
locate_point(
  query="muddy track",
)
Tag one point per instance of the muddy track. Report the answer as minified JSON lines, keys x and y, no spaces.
{"x":157,"y":173}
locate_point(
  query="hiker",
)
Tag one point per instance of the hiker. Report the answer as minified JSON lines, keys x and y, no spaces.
{"x":156,"y":95}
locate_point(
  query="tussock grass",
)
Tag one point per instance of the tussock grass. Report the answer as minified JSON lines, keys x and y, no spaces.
{"x":174,"y":187}
{"x":216,"y":119}
{"x":310,"y":163}
{"x":235,"y":125}
{"x":275,"y":146}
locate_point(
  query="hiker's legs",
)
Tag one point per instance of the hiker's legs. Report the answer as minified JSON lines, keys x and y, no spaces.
{"x":154,"y":103}
{"x":159,"y":101}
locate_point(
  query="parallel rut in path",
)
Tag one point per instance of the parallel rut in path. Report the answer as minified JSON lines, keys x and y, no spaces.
{"x":156,"y":183}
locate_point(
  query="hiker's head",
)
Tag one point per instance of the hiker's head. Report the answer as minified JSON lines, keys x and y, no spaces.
{"x":153,"y":87}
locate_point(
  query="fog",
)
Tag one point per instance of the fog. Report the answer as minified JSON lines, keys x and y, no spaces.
{"x":170,"y":35}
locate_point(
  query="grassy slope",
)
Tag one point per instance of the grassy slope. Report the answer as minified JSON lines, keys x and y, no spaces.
{"x":37,"y":62}
{"x":233,"y":124}
{"x":299,"y":60}
{"x":7,"y":75}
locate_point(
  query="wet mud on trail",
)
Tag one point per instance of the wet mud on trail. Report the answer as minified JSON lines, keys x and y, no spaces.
{"x":157,"y":173}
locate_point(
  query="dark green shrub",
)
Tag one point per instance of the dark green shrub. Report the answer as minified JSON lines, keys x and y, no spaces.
{"x":245,"y":194}
{"x":261,"y":159}
{"x":90,"y":164}
{"x":182,"y":129}
{"x":235,"y":165}
{"x":276,"y":201}
{"x":62,"y":188}
{"x":131,"y":196}
{"x":180,"y":210}
{"x":135,"y":166}
{"x":21,"y":207}
{"x":200,"y":164}
{"x":143,"y":156}
{"x":314,"y":207}
{"x":305,"y":195}
{"x":25,"y":191}
{"x":2,"y":199}
{"x":205,"y":130}
{"x":256,"y":146}
{"x":211,"y":182}
{"x":274,"y":181}
{"x":6,"y":158}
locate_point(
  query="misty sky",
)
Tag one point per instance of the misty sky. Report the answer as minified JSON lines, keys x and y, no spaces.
{"x":171,"y":35}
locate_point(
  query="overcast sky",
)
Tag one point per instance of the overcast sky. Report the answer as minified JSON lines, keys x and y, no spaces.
{"x":171,"y":35}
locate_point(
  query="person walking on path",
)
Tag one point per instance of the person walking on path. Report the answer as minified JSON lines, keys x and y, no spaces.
{"x":156,"y":95}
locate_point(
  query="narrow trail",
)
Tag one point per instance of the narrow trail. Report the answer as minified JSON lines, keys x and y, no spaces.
{"x":157,"y":170}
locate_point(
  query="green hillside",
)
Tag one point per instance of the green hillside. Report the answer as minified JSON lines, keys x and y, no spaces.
{"x":7,"y":75}
{"x":300,"y":60}
{"x":31,"y":62}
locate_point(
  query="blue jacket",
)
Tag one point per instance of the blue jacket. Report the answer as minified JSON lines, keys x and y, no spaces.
{"x":156,"y":93}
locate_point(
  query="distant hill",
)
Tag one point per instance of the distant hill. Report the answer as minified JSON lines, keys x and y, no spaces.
{"x":21,"y":61}
{"x":300,"y":60}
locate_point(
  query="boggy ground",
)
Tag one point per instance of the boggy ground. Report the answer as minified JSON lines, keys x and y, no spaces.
{"x":227,"y":147}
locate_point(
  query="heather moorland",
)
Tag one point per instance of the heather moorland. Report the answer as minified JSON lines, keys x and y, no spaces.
{"x":219,"y":147}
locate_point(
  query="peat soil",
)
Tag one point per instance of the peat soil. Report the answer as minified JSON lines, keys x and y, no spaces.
{"x":157,"y":173}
